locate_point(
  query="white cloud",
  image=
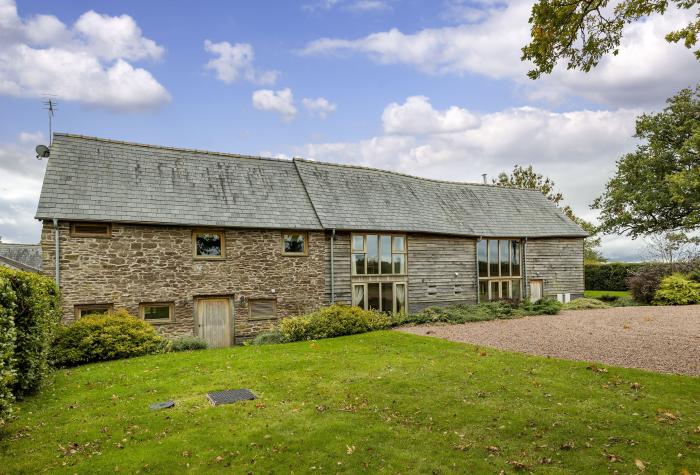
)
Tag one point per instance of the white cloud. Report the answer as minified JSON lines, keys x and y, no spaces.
{"x":280,"y":102}
{"x":20,"y":188}
{"x":368,"y":5}
{"x":417,"y":117}
{"x":357,"y":6}
{"x":319,"y":106}
{"x":234,"y":62}
{"x":646,"y":71}
{"x":116,"y":37}
{"x":87,"y":63}
{"x":576,"y":149}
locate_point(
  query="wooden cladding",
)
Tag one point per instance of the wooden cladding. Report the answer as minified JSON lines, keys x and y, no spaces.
{"x":99,"y":230}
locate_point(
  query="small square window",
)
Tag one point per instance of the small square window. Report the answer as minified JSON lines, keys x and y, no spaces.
{"x":92,"y":309}
{"x":294,"y":244}
{"x":208,"y":245}
{"x":263,"y":309}
{"x":91,"y":230}
{"x":157,"y":312}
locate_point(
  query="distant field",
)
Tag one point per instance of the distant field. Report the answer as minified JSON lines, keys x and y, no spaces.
{"x":597,"y":293}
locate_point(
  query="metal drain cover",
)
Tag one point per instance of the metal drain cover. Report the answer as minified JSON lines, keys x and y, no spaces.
{"x":229,"y":396}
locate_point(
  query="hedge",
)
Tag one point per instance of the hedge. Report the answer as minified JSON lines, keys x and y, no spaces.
{"x":29,"y":314}
{"x":612,"y":276}
{"x":7,"y":347}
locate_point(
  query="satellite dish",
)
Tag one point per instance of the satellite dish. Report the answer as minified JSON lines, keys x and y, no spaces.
{"x":42,"y":151}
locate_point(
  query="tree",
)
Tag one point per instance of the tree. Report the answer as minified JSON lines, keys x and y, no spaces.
{"x":672,"y":247}
{"x":580,"y":32}
{"x":656,"y":188}
{"x":522,"y":177}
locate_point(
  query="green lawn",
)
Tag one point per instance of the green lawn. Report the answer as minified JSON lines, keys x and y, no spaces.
{"x":593,"y":294}
{"x":382,"y":401}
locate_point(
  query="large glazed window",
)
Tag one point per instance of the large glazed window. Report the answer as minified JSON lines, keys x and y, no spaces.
{"x":208,"y":245}
{"x":378,"y":254}
{"x":499,"y":265}
{"x":382,"y":296}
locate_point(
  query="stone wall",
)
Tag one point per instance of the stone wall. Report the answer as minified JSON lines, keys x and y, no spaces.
{"x":142,"y":263}
{"x":558,"y":262}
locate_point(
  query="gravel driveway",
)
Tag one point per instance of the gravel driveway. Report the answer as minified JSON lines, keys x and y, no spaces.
{"x":664,"y":339}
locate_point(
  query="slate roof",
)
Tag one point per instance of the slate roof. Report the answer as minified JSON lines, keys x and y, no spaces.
{"x":24,"y":256}
{"x":94,"y":179}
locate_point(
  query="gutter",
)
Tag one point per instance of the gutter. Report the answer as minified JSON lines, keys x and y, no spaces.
{"x":526,"y":287}
{"x":476,"y":254}
{"x":57,"y":252}
{"x":332,"y":266}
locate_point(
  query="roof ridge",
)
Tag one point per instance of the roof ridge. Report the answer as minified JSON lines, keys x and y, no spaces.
{"x":406,"y":175}
{"x":17,"y":263}
{"x":286,"y":160}
{"x":164,"y":147}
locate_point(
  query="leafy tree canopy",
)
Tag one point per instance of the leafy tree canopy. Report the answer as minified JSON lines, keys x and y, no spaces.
{"x":580,"y":32}
{"x":656,"y":188}
{"x":522,"y":177}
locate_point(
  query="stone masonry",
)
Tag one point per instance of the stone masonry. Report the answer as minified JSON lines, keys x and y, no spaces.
{"x":144,"y":263}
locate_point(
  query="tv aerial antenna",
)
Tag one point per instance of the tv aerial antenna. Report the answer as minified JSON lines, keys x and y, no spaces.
{"x":50,"y":105}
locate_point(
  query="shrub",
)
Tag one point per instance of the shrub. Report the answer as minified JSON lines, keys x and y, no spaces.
{"x":186,"y":343}
{"x":644,"y":282}
{"x":612,"y":276}
{"x":462,"y":313}
{"x":545,"y":306}
{"x":677,"y":290}
{"x":105,"y":337}
{"x":334,"y":320}
{"x":271,"y":337}
{"x":585,"y":304}
{"x":694,"y":276}
{"x":36,"y":318}
{"x":7,"y":347}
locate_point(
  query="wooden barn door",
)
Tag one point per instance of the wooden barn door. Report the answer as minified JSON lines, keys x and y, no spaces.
{"x":214,"y":321}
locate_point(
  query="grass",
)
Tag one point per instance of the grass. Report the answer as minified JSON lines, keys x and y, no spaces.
{"x":383,"y":401}
{"x":594,"y":294}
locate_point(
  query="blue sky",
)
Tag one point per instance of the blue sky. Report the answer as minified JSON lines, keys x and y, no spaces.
{"x":434,"y":89}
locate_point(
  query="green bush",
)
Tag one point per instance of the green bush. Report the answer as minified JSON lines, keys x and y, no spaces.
{"x":612,"y":276}
{"x":499,"y":309}
{"x":545,"y":306}
{"x":645,"y":281}
{"x":7,"y":347}
{"x":36,"y":318}
{"x":677,"y":290}
{"x":271,"y":337}
{"x":334,"y":320}
{"x":585,"y":304}
{"x":187,"y":343}
{"x":105,"y":337}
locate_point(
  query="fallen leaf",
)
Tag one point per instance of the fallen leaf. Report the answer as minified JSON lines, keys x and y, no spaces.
{"x":350,"y":450}
{"x":570,"y":445}
{"x":640,"y":465}
{"x":517,"y":465}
